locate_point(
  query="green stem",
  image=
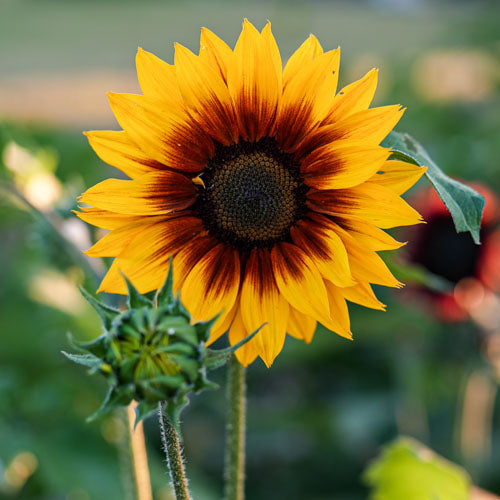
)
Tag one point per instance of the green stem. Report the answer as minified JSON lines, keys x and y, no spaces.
{"x":172,"y":448}
{"x":234,"y":466}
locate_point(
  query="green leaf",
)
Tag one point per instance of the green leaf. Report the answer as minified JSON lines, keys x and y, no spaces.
{"x":97,"y":347}
{"x":143,"y":410}
{"x":407,"y":470}
{"x":165,"y":295}
{"x":84,"y":359}
{"x":415,"y":273}
{"x":106,"y":312}
{"x":203,"y":328}
{"x":116,"y":396}
{"x":216,"y":359}
{"x":464,"y":204}
{"x":135,"y":299}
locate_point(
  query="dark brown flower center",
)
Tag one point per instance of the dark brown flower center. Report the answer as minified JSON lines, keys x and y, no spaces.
{"x":253,"y":194}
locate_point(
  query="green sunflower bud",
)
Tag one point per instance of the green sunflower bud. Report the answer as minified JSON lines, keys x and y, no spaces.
{"x":150,"y":352}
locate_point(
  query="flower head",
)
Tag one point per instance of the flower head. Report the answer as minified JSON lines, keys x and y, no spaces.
{"x":269,"y":189}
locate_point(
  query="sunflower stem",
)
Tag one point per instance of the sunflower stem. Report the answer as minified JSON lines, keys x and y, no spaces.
{"x":172,"y":447}
{"x":234,"y":465}
{"x":138,"y":455}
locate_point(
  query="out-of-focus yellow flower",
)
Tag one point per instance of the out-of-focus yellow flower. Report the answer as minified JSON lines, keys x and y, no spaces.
{"x":34,"y":174}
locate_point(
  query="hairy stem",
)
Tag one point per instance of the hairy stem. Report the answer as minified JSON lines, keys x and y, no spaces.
{"x":234,"y":466}
{"x":172,"y":448}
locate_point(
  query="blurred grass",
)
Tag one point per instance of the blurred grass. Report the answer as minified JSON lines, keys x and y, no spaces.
{"x":322,"y":411}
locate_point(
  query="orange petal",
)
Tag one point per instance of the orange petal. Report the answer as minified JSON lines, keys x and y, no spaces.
{"x":325,"y":247}
{"x":300,"y":325}
{"x":310,"y":49}
{"x":215,"y":51}
{"x":340,"y":322}
{"x":354,"y":97}
{"x":249,"y":351}
{"x":253,"y":84}
{"x":167,"y":135}
{"x":262,"y":302}
{"x":300,"y":281}
{"x":105,"y":219}
{"x":343,"y":164}
{"x":118,"y":150}
{"x":212,"y":285}
{"x":362,"y":294}
{"x":153,"y":193}
{"x":370,"y":202}
{"x":365,"y":264}
{"x":157,"y":79}
{"x":206,"y":96}
{"x":306,"y":99}
{"x":369,"y":235}
{"x":223,"y":323}
{"x":117,"y":240}
{"x":398,"y":176}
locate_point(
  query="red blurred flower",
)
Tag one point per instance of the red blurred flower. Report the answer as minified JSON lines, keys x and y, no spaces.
{"x":473,"y":270}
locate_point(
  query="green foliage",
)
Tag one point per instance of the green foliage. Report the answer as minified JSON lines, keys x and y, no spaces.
{"x":407,"y":470}
{"x":465,"y":205}
{"x":151,"y":352}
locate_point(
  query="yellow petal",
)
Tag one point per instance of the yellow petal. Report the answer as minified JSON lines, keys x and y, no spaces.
{"x":365,"y":264}
{"x":362,"y":294}
{"x":343,"y":164}
{"x":105,"y":219}
{"x":310,"y":49}
{"x":340,"y":322}
{"x":215,"y":51}
{"x":307,"y":98}
{"x":370,"y":125}
{"x":398,"y":176}
{"x":146,"y":275}
{"x":369,"y":235}
{"x":325,"y":248}
{"x":167,"y":135}
{"x":354,"y":97}
{"x":117,"y":240}
{"x":249,"y":351}
{"x":369,"y":201}
{"x":189,"y":255}
{"x":223,"y":323}
{"x":212,"y":285}
{"x":166,"y":237}
{"x":151,"y":194}
{"x":118,"y":150}
{"x":206,"y":96}
{"x":301,"y":326}
{"x":299,"y":281}
{"x":253,"y":84}
{"x":261,"y":302}
{"x":157,"y":79}
{"x":268,"y":38}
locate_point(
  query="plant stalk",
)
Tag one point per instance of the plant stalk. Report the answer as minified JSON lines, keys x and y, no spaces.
{"x":142,"y":481}
{"x":173,"y":452}
{"x":234,"y":466}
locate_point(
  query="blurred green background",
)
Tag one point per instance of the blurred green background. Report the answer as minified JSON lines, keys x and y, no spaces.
{"x":321,"y":413}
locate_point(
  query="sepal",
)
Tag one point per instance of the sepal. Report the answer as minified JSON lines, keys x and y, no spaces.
{"x":216,"y":359}
{"x":107,"y":313}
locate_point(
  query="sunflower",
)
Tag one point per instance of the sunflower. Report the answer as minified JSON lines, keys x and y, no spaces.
{"x":270,"y":191}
